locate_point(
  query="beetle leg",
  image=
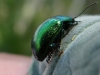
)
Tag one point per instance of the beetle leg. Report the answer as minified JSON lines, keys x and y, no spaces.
{"x":51,"y":48}
{"x":49,"y":57}
{"x":62,"y":34}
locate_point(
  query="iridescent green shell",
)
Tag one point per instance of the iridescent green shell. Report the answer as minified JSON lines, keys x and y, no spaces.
{"x":47,"y":33}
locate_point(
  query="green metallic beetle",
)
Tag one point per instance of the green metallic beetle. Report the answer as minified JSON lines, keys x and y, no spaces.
{"x":48,"y":36}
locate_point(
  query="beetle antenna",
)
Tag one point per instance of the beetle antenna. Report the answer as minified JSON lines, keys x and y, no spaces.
{"x":86,"y":8}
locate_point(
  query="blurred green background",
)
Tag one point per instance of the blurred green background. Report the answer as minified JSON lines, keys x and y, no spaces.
{"x":20,"y":18}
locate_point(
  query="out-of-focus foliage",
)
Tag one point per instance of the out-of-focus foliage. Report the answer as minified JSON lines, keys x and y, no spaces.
{"x":20,"y":18}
